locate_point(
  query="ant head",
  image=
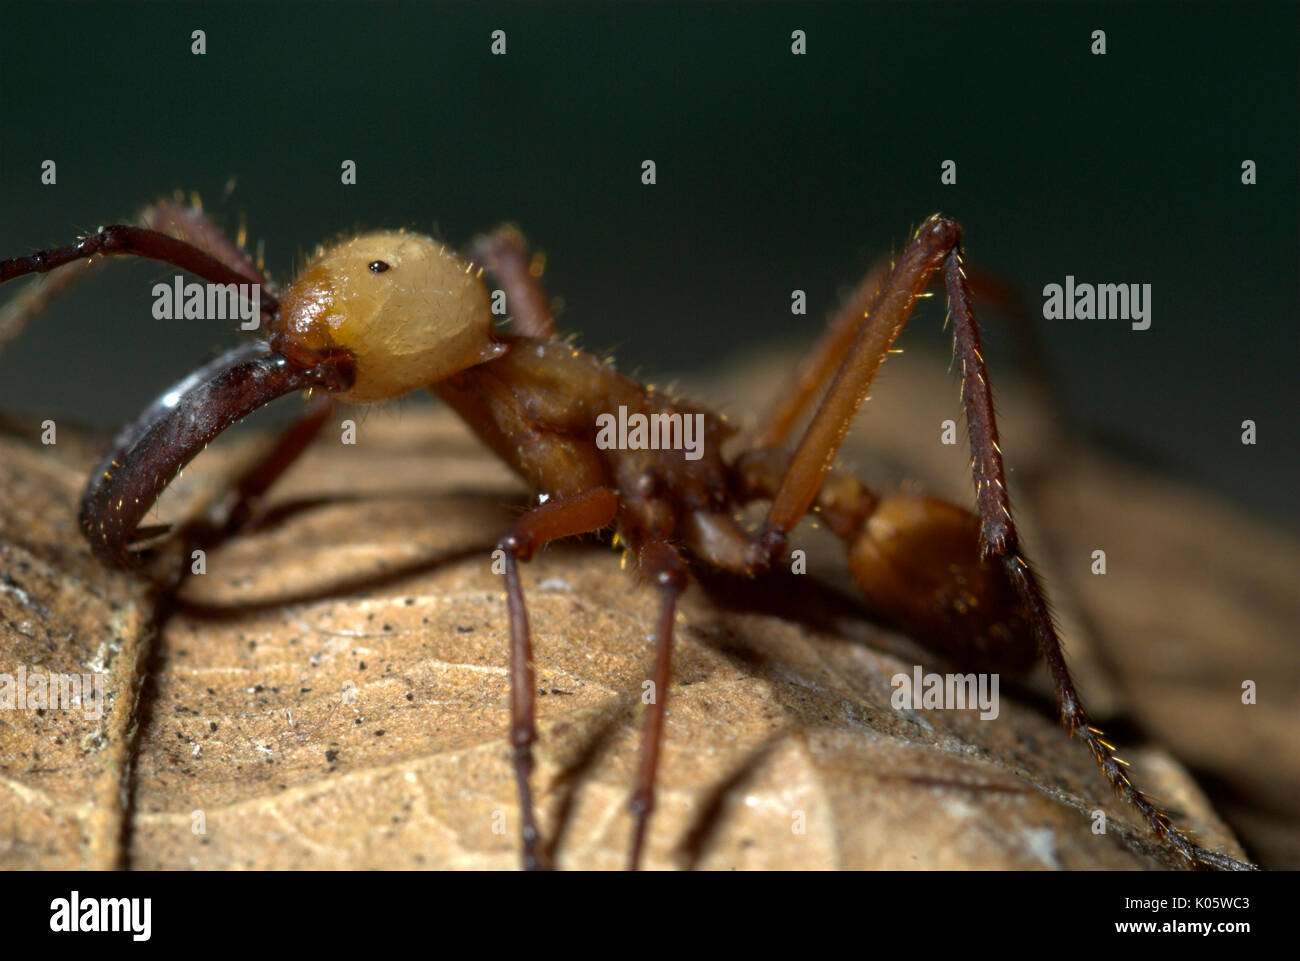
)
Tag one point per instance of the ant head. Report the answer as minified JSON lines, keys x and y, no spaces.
{"x":409,"y":311}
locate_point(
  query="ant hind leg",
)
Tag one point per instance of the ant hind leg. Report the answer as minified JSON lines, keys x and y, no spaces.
{"x":937,"y":244}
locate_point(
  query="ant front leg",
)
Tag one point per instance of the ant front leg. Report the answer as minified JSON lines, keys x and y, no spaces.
{"x":130,"y":240}
{"x":553,"y":520}
{"x":938,"y":244}
{"x":189,"y":223}
{"x":186,"y":223}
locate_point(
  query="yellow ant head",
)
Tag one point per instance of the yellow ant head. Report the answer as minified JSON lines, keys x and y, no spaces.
{"x":408,"y":310}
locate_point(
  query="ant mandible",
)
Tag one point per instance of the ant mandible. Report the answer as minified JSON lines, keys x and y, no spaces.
{"x":381,"y":314}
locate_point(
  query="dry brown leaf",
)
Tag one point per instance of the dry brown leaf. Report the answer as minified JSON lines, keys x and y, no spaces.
{"x":332,"y":693}
{"x":62,"y":774}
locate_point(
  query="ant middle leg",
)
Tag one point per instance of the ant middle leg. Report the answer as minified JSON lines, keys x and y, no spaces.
{"x":553,"y":520}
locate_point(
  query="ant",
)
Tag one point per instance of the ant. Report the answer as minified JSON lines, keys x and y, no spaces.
{"x":378,"y":315}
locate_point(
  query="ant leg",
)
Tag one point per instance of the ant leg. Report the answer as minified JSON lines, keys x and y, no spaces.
{"x":659,"y":562}
{"x":186,"y":223}
{"x":818,"y":366}
{"x":555,"y":519}
{"x":826,"y":355}
{"x":824,"y":435}
{"x":938,"y":242}
{"x":999,"y":539}
{"x":504,"y":252}
{"x":189,"y":223}
{"x":138,"y":242}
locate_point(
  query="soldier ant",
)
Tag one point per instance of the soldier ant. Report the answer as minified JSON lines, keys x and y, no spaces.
{"x":381,"y":314}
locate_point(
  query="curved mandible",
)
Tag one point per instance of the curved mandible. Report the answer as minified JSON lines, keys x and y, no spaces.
{"x":150,"y":451}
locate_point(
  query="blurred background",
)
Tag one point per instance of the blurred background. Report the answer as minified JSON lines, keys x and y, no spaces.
{"x":774,"y":171}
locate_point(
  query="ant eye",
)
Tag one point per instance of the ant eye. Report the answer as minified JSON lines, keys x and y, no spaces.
{"x":378,"y":266}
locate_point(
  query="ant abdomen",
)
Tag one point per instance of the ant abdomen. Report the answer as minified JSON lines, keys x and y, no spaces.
{"x":917,"y":560}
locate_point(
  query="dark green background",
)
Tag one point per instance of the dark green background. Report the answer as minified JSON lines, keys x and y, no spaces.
{"x":775,"y":172}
